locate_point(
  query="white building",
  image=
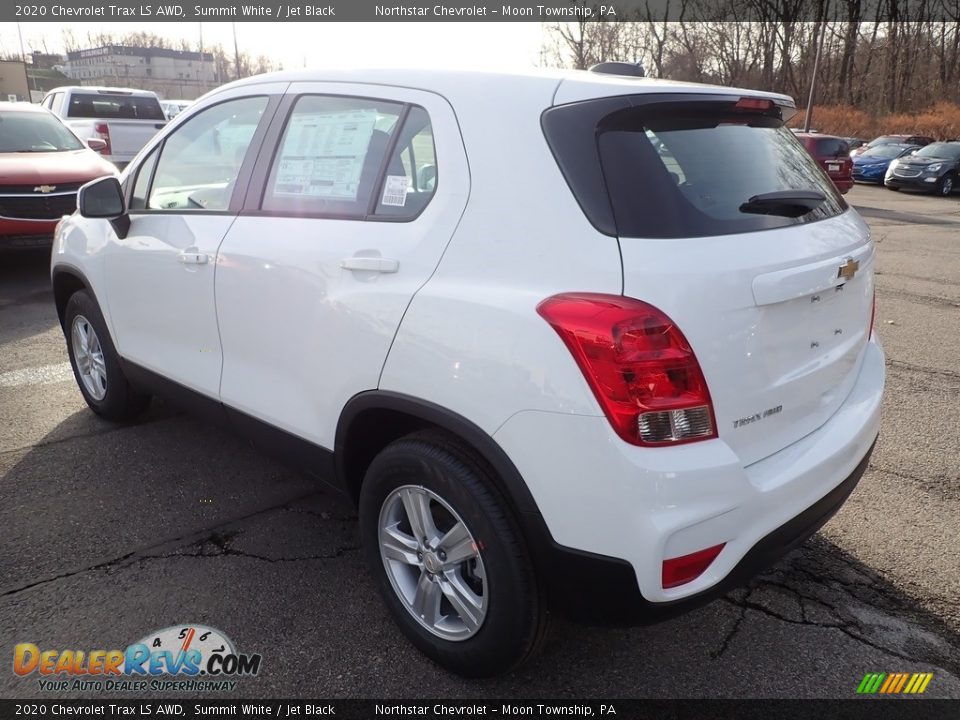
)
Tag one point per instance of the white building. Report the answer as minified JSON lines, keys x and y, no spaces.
{"x":169,"y":73}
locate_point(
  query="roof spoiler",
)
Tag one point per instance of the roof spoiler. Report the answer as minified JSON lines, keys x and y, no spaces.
{"x":619,"y":68}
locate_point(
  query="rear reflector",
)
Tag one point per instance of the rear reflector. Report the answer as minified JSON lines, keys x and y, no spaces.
{"x":638,"y":364}
{"x":681,"y":570}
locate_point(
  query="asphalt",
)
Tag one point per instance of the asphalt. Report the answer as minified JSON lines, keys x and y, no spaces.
{"x":109,"y":532}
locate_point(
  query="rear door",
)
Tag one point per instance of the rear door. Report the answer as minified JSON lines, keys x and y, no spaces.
{"x":355,"y":196}
{"x":775,"y":298}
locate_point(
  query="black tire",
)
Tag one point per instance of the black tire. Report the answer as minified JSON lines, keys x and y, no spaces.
{"x":121,"y":401}
{"x":516,"y":619}
{"x":946,"y":185}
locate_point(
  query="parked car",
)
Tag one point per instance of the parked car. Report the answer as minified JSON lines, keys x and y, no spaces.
{"x":42,"y":165}
{"x":833,"y":154}
{"x":919,"y":140}
{"x":172,"y":108}
{"x":934,"y":168}
{"x":855,"y":143}
{"x":871,"y":166}
{"x":124,"y":119}
{"x":602,"y":379}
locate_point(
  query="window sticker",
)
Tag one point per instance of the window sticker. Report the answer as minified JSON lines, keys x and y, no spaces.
{"x":395,"y":190}
{"x":323,"y":154}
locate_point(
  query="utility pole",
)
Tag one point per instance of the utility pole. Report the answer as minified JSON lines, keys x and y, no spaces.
{"x":236,"y":50}
{"x":808,"y":116}
{"x":203,"y":74}
{"x":23,"y":57}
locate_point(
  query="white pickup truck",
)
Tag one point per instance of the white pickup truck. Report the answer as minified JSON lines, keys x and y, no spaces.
{"x":125,"y":119}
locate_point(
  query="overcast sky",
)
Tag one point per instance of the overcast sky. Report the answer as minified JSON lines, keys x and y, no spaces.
{"x":371,"y":44}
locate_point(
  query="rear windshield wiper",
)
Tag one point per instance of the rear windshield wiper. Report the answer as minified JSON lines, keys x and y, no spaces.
{"x":788,"y":203}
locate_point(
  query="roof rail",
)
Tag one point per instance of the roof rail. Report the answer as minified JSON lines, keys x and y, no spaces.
{"x":619,"y":68}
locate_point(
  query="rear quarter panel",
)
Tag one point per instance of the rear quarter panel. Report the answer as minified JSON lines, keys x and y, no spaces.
{"x":471,"y":340}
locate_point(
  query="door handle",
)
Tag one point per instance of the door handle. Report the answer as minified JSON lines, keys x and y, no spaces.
{"x":188,"y":257}
{"x":370,"y":264}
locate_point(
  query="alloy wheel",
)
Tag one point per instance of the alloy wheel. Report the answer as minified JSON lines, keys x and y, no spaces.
{"x":433,"y":562}
{"x":88,"y":355}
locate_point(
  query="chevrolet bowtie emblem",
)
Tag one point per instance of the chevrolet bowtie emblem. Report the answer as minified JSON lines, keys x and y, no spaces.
{"x":45,"y":188}
{"x":848,"y":269}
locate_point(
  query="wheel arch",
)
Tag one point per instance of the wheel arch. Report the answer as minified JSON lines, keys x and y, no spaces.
{"x":373,"y":419}
{"x":67,"y":280}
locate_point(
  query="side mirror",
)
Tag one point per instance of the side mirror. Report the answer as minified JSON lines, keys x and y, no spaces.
{"x":103,"y":198}
{"x":97,"y":144}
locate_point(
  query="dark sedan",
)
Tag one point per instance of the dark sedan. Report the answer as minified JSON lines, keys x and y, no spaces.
{"x":871,"y":166}
{"x":933,"y":168}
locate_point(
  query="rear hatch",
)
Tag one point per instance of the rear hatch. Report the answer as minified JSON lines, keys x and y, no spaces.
{"x":733,"y":230}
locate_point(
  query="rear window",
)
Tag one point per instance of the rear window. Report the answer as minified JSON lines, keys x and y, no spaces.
{"x":832,"y":147}
{"x":115,"y":107}
{"x":687,"y":168}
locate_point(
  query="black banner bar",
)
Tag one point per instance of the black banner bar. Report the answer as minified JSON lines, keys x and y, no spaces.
{"x":105,"y":11}
{"x":860,"y":709}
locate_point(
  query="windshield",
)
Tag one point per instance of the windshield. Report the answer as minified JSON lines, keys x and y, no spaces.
{"x":884,"y":152}
{"x":941,"y":150}
{"x":24,"y":132}
{"x":883,"y":140}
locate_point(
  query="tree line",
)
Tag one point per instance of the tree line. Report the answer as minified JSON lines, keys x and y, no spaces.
{"x":889,"y":56}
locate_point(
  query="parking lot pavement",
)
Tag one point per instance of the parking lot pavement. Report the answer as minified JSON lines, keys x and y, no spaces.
{"x":109,"y":532}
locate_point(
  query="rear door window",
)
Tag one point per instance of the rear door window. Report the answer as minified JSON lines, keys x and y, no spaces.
{"x":330,"y":156}
{"x":411,"y":176}
{"x":106,"y":106}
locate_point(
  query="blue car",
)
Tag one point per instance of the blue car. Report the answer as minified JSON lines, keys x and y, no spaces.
{"x":871,"y":165}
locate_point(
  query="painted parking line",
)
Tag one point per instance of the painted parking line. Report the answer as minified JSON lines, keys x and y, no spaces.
{"x":41,"y":375}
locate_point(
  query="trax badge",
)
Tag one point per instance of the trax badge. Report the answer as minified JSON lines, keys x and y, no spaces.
{"x":849,"y":269}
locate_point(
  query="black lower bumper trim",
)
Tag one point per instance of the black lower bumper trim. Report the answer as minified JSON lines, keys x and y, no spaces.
{"x":595,"y":588}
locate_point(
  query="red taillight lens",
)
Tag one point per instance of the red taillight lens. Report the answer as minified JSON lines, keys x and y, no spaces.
{"x":102,"y":131}
{"x":681,"y":570}
{"x":638,"y":364}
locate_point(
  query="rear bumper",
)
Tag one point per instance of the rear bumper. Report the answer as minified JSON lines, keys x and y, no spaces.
{"x":615,"y":512}
{"x":843,"y":185}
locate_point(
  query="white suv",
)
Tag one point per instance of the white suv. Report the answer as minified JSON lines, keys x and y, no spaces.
{"x":569,"y":340}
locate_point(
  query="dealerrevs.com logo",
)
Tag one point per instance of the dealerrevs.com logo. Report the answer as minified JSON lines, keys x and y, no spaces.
{"x":181,"y":658}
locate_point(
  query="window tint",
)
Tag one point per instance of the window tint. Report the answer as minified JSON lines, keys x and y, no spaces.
{"x":330,"y":156}
{"x":142,"y":186}
{"x":687,"y":170}
{"x":199,"y":162}
{"x":115,"y":107}
{"x":831,"y":147}
{"x":411,"y":177}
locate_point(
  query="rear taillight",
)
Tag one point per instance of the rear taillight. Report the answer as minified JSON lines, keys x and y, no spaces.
{"x":102,"y":131}
{"x":681,"y":570}
{"x":638,"y":364}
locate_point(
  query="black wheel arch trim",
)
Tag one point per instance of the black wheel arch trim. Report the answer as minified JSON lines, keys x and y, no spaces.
{"x":61,"y":269}
{"x":512,"y":483}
